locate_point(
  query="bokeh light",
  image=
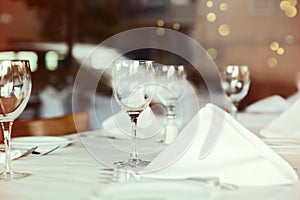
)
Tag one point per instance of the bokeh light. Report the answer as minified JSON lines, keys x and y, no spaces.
{"x":209,"y":4}
{"x":213,"y":53}
{"x":224,"y":30}
{"x":274,"y":46}
{"x":280,"y":51}
{"x":223,"y":6}
{"x":160,"y":23}
{"x":160,"y":31}
{"x":289,"y":7}
{"x":211,"y":17}
{"x":176,"y":26}
{"x":291,"y":11}
{"x":272,"y":62}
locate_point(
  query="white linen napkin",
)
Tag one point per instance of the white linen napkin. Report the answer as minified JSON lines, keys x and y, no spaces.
{"x":286,"y":125}
{"x":119,"y":125}
{"x":53,"y":101}
{"x":238,"y":157}
{"x":272,"y":104}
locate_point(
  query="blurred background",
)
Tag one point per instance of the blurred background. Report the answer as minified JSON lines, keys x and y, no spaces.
{"x":58,"y":35}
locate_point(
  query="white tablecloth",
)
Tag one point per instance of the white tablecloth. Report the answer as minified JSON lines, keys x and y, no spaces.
{"x":71,"y":173}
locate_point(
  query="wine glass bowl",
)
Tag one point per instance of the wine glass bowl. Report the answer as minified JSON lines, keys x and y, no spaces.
{"x":171,"y":80}
{"x":15,"y":89}
{"x":235,"y":80}
{"x":133,"y":91}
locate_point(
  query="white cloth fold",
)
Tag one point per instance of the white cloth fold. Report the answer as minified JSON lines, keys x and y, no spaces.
{"x":271,"y":104}
{"x":238,"y":157}
{"x":286,"y":125}
{"x":53,"y":101}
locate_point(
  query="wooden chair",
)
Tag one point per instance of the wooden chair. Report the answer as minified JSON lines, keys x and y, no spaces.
{"x":55,"y":126}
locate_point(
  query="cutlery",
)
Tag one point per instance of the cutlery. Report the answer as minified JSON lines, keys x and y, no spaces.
{"x":45,"y":153}
{"x":29,"y":151}
{"x":108,"y":175}
{"x":25,"y":153}
{"x":99,"y":136}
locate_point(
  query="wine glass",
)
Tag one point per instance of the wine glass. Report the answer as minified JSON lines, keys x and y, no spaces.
{"x":171,"y":80}
{"x":15,"y":89}
{"x":235,"y":81}
{"x":133,"y":90}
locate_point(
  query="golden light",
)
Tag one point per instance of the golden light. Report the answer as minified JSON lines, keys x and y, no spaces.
{"x":213,"y":53}
{"x":280,"y":51}
{"x":160,"y":22}
{"x":224,"y":30}
{"x":209,"y":4}
{"x":211,"y":17}
{"x":176,"y":26}
{"x":274,"y":46}
{"x":289,"y":7}
{"x":160,"y":31}
{"x":272,"y":62}
{"x":284,"y":5}
{"x":291,"y":11}
{"x":223,"y":6}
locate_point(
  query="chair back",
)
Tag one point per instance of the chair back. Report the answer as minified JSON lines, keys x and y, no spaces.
{"x":55,"y":126}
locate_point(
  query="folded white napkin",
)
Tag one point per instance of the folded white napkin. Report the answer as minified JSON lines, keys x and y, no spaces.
{"x":119,"y":125}
{"x":238,"y":156}
{"x":53,"y":101}
{"x":255,"y":121}
{"x":286,"y":124}
{"x":274,"y":104}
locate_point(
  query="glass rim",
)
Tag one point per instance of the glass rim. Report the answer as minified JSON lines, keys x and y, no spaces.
{"x":15,"y":60}
{"x":235,"y":65}
{"x":132,"y":60}
{"x":170,"y":65}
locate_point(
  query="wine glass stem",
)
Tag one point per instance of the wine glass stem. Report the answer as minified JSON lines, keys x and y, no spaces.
{"x":134,"y":153}
{"x":6,"y":128}
{"x":170,"y":111}
{"x":234,"y":109}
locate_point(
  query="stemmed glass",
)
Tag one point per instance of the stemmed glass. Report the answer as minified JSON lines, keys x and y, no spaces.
{"x":133,"y":90}
{"x":171,"y":80}
{"x":15,"y":89}
{"x":235,"y":81}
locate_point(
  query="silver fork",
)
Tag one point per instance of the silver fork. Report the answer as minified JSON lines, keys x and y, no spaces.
{"x":108,"y":175}
{"x":45,"y":153}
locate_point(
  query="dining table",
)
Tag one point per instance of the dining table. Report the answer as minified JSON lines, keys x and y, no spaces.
{"x":73,"y":173}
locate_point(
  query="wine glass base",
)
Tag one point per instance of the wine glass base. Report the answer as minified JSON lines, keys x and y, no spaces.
{"x":9,"y":176}
{"x":132,"y":162}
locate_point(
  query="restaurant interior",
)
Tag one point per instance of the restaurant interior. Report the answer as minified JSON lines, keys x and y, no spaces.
{"x":68,"y":45}
{"x":261,"y":34}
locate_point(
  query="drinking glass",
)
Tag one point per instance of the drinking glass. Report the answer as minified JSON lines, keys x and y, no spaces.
{"x":15,"y":89}
{"x":235,"y":81}
{"x":133,"y":90}
{"x":171,"y":80}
